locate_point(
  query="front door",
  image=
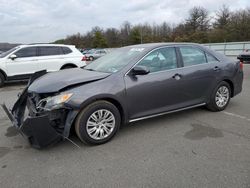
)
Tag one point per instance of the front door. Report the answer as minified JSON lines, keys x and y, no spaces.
{"x":25,"y":64}
{"x":158,"y":91}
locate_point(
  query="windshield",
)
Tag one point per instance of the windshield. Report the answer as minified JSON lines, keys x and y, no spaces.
{"x":115,"y":60}
{"x":8,"y":52}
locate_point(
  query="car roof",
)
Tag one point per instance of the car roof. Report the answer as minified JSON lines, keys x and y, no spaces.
{"x":156,"y":45}
{"x":45,"y":44}
{"x":151,"y":46}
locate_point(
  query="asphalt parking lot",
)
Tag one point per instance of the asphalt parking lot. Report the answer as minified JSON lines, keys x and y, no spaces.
{"x":194,"y":148}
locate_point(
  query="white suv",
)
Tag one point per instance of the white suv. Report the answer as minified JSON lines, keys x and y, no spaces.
{"x":22,"y":61}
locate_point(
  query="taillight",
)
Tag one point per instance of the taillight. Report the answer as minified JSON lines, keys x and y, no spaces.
{"x":84,"y":58}
{"x":241,"y":65}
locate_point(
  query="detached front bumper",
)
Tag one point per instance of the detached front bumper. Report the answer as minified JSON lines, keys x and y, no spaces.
{"x":37,"y":129}
{"x":41,"y":129}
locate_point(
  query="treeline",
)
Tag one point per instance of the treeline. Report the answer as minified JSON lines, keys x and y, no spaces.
{"x":199,"y":27}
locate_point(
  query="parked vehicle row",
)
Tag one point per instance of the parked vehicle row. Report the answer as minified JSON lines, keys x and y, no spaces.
{"x":129,"y":84}
{"x":22,"y":61}
{"x":94,"y":54}
{"x":85,"y":50}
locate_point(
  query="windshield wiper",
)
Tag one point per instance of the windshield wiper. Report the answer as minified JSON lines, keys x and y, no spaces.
{"x":95,"y":70}
{"x":90,"y":69}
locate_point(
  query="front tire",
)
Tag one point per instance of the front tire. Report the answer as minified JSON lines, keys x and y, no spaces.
{"x":220,"y":98}
{"x":2,"y":80}
{"x":98,"y":122}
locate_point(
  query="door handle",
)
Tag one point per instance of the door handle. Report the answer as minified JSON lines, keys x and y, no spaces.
{"x":216,"y":68}
{"x":177,"y":76}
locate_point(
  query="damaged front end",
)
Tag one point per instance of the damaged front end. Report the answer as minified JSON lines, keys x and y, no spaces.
{"x":42,"y":127}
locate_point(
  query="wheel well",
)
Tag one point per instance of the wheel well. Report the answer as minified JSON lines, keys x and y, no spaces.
{"x":69,"y":64}
{"x":119,"y":107}
{"x":231,"y":86}
{"x":3,"y":73}
{"x":113,"y":101}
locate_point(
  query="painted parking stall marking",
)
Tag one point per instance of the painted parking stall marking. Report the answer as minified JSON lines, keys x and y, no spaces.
{"x":236,"y":115}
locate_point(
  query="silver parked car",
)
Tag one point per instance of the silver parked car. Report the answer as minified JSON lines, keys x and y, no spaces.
{"x":93,"y":54}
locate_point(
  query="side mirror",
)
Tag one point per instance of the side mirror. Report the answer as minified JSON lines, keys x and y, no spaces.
{"x":140,"y":70}
{"x":13,"y":56}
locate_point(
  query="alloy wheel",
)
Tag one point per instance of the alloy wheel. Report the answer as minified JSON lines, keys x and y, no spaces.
{"x":222,"y":96}
{"x":100,"y":124}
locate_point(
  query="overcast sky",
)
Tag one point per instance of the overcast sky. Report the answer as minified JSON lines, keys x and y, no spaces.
{"x":26,"y":21}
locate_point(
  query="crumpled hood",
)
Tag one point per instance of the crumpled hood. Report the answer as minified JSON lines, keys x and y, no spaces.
{"x":56,"y":81}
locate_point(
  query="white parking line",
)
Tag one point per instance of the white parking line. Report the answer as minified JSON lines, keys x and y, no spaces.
{"x":236,"y":115}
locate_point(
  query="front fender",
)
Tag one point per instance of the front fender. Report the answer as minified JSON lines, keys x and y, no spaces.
{"x":78,"y":105}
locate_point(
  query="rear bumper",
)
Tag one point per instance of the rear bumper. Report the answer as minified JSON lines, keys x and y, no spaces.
{"x":238,"y":82}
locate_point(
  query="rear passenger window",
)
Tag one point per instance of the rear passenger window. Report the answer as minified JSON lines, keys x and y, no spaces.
{"x":50,"y":50}
{"x":26,"y":52}
{"x":211,"y":59}
{"x":66,"y":50}
{"x":192,"y":56}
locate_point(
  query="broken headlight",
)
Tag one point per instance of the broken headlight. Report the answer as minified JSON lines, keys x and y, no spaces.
{"x":55,"y":102}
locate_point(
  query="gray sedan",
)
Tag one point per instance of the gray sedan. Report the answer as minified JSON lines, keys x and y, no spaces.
{"x":129,"y":84}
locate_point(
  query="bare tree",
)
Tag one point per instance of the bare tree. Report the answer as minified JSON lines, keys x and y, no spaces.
{"x":227,"y":26}
{"x":222,"y":17}
{"x":198,"y":20}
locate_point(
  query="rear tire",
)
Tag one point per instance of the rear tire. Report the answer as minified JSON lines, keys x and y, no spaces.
{"x":2,"y":80}
{"x":98,"y":122}
{"x":91,"y":58}
{"x":220,"y":98}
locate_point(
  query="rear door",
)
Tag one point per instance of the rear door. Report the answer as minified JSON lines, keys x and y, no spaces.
{"x":199,"y":74}
{"x":25,"y":64}
{"x":51,"y":58}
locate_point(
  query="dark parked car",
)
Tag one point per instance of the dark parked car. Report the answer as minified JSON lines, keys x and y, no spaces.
{"x":129,"y":84}
{"x":244,"y":57}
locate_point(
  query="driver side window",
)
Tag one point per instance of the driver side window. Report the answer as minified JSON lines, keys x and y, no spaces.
{"x":26,"y":52}
{"x":160,"y":60}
